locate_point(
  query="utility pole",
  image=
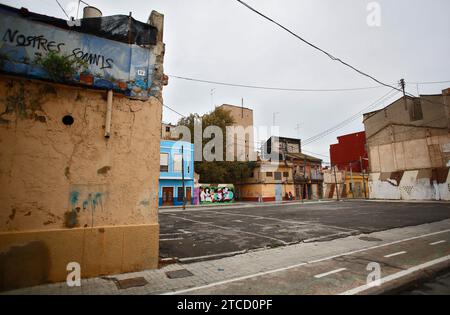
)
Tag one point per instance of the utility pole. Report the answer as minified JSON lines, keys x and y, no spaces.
{"x":363,"y":173}
{"x":335,"y":180}
{"x":402,"y":85}
{"x":182,"y":176}
{"x":306,"y":184}
{"x":351,"y":180}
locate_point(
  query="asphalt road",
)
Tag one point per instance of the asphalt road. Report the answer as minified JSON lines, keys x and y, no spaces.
{"x":194,"y":234}
{"x":399,"y":263}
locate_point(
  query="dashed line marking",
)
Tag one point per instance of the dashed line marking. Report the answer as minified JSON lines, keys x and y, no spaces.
{"x":329,"y":273}
{"x":395,"y":254}
{"x":352,"y":291}
{"x":438,"y":242}
{"x":171,"y":239}
{"x":398,"y":275}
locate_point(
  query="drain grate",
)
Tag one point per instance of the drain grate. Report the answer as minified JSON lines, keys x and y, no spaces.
{"x":131,"y":283}
{"x":182,"y":273}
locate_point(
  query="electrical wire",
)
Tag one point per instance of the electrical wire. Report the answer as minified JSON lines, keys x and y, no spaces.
{"x":62,"y":9}
{"x":317,"y":48}
{"x":273,"y":88}
{"x":345,"y":122}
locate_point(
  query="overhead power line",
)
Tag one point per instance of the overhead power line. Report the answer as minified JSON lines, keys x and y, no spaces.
{"x":317,"y":48}
{"x":274,"y":88}
{"x":347,"y":121}
{"x":59,"y":4}
{"x":173,"y":110}
{"x":432,"y":82}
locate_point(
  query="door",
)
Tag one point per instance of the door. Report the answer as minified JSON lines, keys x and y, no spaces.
{"x":188,"y":195}
{"x":167,"y":196}
{"x":278,"y":193}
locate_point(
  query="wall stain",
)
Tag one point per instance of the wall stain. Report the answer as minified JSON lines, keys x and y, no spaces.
{"x":13,"y":214}
{"x":67,"y":172}
{"x":104,"y":170}
{"x":24,"y":265}
{"x":70,"y":219}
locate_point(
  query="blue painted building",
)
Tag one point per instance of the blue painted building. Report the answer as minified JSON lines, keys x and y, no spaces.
{"x":170,"y":175}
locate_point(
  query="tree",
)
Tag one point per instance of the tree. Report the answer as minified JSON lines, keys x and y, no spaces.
{"x":217,"y":171}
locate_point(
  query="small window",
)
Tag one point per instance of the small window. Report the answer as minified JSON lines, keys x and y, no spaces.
{"x":277,"y":175}
{"x":415,"y":110}
{"x":269,"y":174}
{"x":180,"y":194}
{"x":163,"y":162}
{"x":167,"y":129}
{"x":286,"y":174}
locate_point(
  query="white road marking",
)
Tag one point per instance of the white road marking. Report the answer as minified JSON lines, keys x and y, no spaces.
{"x":184,"y":231}
{"x":236,"y":230}
{"x":397,"y":275}
{"x":307,"y":263}
{"x":171,"y":239}
{"x":329,"y":273}
{"x":378,"y":246}
{"x":309,"y":224}
{"x":438,"y":242}
{"x":394,"y":254}
{"x":233,"y":280}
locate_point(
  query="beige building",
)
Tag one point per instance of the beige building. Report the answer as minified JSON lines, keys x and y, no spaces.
{"x":70,"y":192}
{"x":409,"y":148}
{"x":244,"y":145}
{"x":269,"y":182}
{"x":166,"y":131}
{"x":345,"y":184}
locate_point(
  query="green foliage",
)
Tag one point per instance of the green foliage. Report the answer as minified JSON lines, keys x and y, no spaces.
{"x":3,"y":58}
{"x":60,"y":67}
{"x":217,"y":172}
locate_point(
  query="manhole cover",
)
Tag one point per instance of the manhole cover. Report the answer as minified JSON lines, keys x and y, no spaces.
{"x":131,"y":283}
{"x":182,"y":273}
{"x":370,"y":239}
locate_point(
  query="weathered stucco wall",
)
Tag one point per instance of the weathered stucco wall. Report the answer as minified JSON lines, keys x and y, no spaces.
{"x":57,"y":178}
{"x":68,"y":194}
{"x":55,"y":175}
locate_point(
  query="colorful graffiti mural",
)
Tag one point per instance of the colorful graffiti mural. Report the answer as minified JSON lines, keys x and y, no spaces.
{"x":216,"y":193}
{"x":124,"y":68}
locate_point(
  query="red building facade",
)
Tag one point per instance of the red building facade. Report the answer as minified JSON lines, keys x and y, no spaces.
{"x":350,"y":150}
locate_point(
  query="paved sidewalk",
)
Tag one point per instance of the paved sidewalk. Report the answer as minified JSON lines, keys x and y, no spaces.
{"x":240,"y":267}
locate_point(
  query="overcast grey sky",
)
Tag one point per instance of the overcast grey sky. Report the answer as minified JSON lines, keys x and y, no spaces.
{"x":221,"y":40}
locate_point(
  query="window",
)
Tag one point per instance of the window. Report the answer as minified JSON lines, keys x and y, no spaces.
{"x":269,"y":174}
{"x":180,"y":194}
{"x":163,"y":162}
{"x":177,"y":158}
{"x":286,"y":174}
{"x":167,"y":129}
{"x":415,"y":110}
{"x":277,"y":175}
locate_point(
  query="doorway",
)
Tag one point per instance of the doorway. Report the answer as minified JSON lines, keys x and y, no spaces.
{"x":167,"y":196}
{"x":188,"y":195}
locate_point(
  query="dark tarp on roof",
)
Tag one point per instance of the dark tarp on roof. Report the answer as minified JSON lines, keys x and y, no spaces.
{"x":121,"y":28}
